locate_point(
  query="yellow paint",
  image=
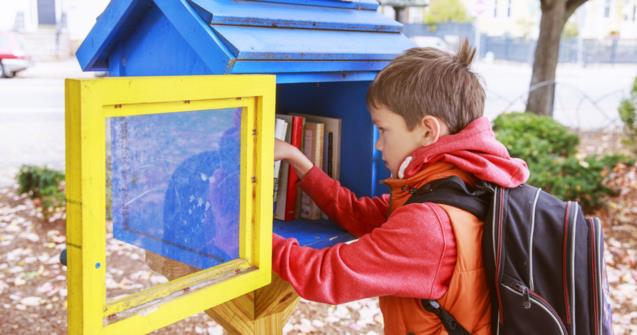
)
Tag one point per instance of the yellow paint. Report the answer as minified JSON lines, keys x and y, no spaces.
{"x":177,"y":285}
{"x":89,"y":104}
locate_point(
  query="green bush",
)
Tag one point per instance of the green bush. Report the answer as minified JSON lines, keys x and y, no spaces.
{"x":628,"y":115}
{"x":550,"y":151}
{"x":443,"y":11}
{"x":533,"y":136}
{"x":44,"y":185}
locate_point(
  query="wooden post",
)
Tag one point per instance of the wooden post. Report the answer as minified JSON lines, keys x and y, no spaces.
{"x":261,"y":312}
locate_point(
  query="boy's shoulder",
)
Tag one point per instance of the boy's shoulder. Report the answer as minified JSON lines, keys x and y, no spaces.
{"x":419,"y":214}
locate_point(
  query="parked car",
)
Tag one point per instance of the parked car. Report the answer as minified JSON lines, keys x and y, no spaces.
{"x":13,"y":59}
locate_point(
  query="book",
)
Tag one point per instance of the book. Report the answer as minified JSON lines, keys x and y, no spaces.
{"x":313,"y":149}
{"x":331,"y":143}
{"x":280,"y":129}
{"x":287,"y":204}
{"x":279,"y":208}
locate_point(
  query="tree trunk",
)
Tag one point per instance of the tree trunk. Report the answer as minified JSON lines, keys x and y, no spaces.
{"x":401,"y":14}
{"x":542,"y":88}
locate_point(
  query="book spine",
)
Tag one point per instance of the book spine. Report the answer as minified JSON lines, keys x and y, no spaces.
{"x":279,"y":133}
{"x":306,"y":201}
{"x":317,"y":149}
{"x":297,"y":141}
{"x":330,"y":154}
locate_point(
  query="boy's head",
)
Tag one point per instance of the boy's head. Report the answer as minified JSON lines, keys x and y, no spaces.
{"x":421,"y":95}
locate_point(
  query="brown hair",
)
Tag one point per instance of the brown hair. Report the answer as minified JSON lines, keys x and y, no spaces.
{"x":428,"y":81}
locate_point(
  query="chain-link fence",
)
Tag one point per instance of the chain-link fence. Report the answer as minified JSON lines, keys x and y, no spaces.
{"x":572,"y":50}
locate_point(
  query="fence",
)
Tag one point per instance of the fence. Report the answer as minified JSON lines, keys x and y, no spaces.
{"x":572,"y":50}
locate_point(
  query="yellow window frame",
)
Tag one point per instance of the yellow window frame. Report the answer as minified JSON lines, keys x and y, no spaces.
{"x":89,"y":104}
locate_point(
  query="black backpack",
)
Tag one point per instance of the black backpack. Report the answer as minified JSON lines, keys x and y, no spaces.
{"x":557,"y":286}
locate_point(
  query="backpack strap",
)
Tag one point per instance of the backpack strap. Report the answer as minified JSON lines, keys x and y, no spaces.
{"x":454,"y":192}
{"x":448,"y":321}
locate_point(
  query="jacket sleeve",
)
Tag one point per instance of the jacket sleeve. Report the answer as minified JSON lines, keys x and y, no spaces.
{"x":412,"y":255}
{"x":356,"y":215}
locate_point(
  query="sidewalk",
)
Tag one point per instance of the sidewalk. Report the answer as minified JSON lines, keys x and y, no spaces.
{"x":67,"y":68}
{"x":32,"y":117}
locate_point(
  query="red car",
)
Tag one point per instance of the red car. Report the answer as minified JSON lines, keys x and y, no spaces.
{"x":13,"y":59}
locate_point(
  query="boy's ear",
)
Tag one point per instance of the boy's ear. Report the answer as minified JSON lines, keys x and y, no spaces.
{"x":433,"y":129}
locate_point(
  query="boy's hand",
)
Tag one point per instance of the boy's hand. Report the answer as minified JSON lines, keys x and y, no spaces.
{"x":284,"y":150}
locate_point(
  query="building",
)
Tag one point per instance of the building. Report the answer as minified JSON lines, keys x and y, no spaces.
{"x":595,"y":19}
{"x":50,"y":28}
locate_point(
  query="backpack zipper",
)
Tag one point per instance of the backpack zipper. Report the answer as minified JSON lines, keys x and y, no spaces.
{"x":498,"y":261}
{"x":493,"y":224}
{"x":537,"y":196}
{"x":591,"y":227}
{"x":537,"y":300}
{"x":567,"y":307}
{"x":527,"y":298}
{"x":573,"y":296}
{"x":596,"y":264}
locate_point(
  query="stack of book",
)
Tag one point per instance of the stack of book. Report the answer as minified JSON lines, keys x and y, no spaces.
{"x":319,"y":139}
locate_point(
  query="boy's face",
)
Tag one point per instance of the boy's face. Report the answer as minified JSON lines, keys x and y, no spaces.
{"x":395,"y":141}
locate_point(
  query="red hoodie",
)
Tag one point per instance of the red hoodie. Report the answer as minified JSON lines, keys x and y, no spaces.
{"x":410,"y":252}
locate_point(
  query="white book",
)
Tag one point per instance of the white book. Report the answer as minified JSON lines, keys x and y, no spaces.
{"x":279,"y":208}
{"x":280,"y":129}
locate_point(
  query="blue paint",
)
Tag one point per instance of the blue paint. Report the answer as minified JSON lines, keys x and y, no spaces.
{"x":114,"y":23}
{"x":353,"y":4}
{"x":197,"y":33}
{"x":346,"y":101}
{"x":246,"y":37}
{"x":286,"y":15}
{"x":311,"y":68}
{"x":258,"y":43}
{"x":293,"y":78}
{"x":97,"y":265}
{"x":312,"y":233}
{"x":131,"y":56}
{"x":175,"y":184}
{"x":380,"y":171}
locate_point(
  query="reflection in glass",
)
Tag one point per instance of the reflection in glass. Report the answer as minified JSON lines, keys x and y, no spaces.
{"x":175,"y":184}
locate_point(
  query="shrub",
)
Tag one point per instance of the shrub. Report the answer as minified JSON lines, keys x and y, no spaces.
{"x":550,"y":151}
{"x":534,"y":136}
{"x":44,"y":185}
{"x":628,"y":115}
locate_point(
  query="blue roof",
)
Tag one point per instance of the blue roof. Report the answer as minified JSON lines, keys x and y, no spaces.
{"x":272,"y":36}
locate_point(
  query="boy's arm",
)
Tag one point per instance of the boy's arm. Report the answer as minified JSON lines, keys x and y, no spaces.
{"x":357,"y":215}
{"x":412,"y":255}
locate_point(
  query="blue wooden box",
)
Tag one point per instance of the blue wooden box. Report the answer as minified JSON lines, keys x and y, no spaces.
{"x":324,"y":54}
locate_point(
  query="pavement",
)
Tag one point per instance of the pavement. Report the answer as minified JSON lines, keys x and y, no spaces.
{"x":32,"y":117}
{"x":586,"y":98}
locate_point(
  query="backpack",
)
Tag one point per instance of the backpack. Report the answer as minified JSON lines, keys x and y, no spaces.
{"x":544,"y":259}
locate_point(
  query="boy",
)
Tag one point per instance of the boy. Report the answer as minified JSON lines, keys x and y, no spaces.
{"x":428,"y":108}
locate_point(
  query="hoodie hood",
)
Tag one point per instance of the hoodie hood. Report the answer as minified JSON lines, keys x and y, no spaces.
{"x":474,"y":150}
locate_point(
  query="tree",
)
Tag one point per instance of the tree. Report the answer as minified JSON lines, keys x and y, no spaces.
{"x":401,"y":6}
{"x":441,"y":11}
{"x":555,"y":14}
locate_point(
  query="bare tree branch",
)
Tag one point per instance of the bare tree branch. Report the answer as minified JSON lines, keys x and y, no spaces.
{"x":548,"y":4}
{"x":571,"y":6}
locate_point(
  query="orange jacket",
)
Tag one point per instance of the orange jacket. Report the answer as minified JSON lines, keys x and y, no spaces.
{"x":467,"y":297}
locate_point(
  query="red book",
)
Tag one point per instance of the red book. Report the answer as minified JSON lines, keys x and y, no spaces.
{"x":296,"y":139}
